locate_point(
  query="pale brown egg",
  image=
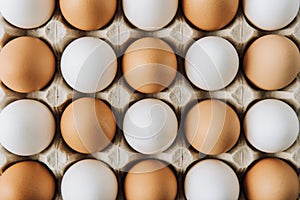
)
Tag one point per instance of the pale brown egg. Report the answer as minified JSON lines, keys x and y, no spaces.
{"x":149,"y":65}
{"x":212,"y":127}
{"x":150,"y":179}
{"x":210,"y":15}
{"x":27,"y":180}
{"x":88,"y":15}
{"x":27,"y":64}
{"x":88,"y":125}
{"x":271,"y":179}
{"x":272,"y":62}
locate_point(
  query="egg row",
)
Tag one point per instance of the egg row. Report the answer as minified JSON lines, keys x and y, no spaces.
{"x":149,"y":65}
{"x":150,"y":126}
{"x":150,"y":15}
{"x":268,"y":178}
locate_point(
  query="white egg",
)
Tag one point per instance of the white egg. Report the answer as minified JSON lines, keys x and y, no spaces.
{"x":89,"y":180}
{"x":88,"y":64}
{"x":150,"y":15}
{"x":27,"y":127}
{"x":27,"y":14}
{"x":150,"y":126}
{"x":271,"y":15}
{"x":211,"y":63}
{"x":211,"y":179}
{"x":271,"y":126}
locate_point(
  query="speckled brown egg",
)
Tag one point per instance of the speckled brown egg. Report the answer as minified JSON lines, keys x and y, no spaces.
{"x":27,"y":180}
{"x":212,"y":127}
{"x":210,"y":15}
{"x":27,"y":64}
{"x":272,"y":62}
{"x":150,"y":179}
{"x":88,"y":15}
{"x":271,"y":179}
{"x":149,"y":65}
{"x":88,"y":125}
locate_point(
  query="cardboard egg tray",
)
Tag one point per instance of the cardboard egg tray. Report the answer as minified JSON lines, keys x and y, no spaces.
{"x":180,"y":34}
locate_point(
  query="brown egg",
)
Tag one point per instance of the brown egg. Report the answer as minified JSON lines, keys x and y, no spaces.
{"x":149,"y":65}
{"x":210,"y":15}
{"x":271,"y":179}
{"x":27,"y":180}
{"x":88,"y":125}
{"x":212,"y":127}
{"x":150,"y":179}
{"x":88,"y":15}
{"x":272,"y":62}
{"x":27,"y":64}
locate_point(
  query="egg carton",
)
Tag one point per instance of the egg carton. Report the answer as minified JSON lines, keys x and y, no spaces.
{"x":180,"y":34}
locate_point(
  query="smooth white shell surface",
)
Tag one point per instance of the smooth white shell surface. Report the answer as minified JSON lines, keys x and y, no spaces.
{"x":271,"y":126}
{"x":150,"y":15}
{"x":271,"y":15}
{"x":211,"y":179}
{"x":88,"y":64}
{"x":150,"y":126}
{"x":211,"y":63}
{"x":90,"y":180}
{"x":27,"y":14}
{"x":27,"y":127}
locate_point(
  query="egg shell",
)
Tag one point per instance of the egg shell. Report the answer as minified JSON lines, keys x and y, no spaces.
{"x":210,"y":15}
{"x":27,"y":180}
{"x":88,"y":64}
{"x":88,"y":15}
{"x":149,"y":65}
{"x":211,"y":63}
{"x":27,"y":127}
{"x":272,"y":62}
{"x":88,"y":125}
{"x":150,"y":179}
{"x":271,"y":125}
{"x":150,"y":15}
{"x":211,"y":179}
{"x":89,"y":179}
{"x":27,"y":64}
{"x":270,"y":15}
{"x":212,"y":127}
{"x":271,"y":179}
{"x":150,"y":126}
{"x":27,"y":14}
